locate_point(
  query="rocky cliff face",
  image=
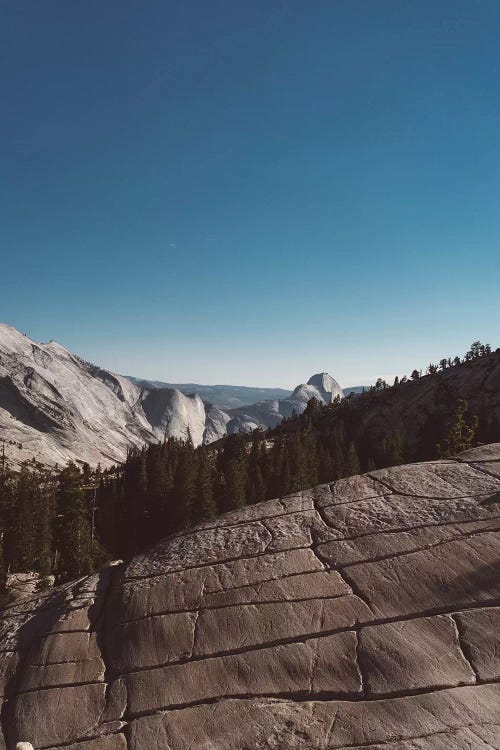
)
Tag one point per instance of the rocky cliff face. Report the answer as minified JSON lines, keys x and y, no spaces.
{"x":54,"y":407}
{"x":363,"y":614}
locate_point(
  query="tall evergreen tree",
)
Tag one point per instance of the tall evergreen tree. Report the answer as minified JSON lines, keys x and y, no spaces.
{"x":351,"y":464}
{"x":184,"y":510}
{"x":206,"y":505}
{"x":73,"y":541}
{"x":3,"y":574}
{"x":461,"y":435}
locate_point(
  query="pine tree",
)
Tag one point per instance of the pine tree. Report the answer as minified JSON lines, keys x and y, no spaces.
{"x":23,"y":521}
{"x":205,"y":489}
{"x":259,"y":488}
{"x":234,"y":465}
{"x":394,"y":449}
{"x":324,"y":463}
{"x":155,"y":498}
{"x":3,"y":575}
{"x":184,"y":509}
{"x":44,"y":515}
{"x":5,"y":510}
{"x":351,"y":464}
{"x":234,"y":492}
{"x":74,"y":543}
{"x":460,"y":436}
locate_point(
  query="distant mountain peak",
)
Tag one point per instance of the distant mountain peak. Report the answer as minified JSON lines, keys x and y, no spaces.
{"x":321,"y":386}
{"x":324,"y":382}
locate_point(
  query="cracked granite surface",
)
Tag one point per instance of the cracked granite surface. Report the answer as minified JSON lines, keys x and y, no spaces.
{"x":362,"y":614}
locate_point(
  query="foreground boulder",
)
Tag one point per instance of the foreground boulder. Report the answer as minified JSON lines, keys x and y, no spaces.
{"x":365,"y":613}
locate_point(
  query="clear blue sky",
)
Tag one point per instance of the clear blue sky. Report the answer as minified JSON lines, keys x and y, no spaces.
{"x":250,"y":192}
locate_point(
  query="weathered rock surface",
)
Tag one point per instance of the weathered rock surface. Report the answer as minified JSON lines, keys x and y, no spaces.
{"x":365,"y":614}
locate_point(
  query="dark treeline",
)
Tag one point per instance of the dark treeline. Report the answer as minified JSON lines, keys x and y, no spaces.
{"x":173,"y":486}
{"x":66,"y":523}
{"x":165,"y":488}
{"x":46,"y":522}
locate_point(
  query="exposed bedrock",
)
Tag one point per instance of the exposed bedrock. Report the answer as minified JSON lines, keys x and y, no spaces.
{"x":363,"y":614}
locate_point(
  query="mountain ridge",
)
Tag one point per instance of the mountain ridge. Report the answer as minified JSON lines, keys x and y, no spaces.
{"x":227,"y":396}
{"x":223,"y":395}
{"x":56,"y":407}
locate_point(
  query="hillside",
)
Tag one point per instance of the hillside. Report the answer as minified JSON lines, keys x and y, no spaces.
{"x":361,"y":614}
{"x":417,"y":411}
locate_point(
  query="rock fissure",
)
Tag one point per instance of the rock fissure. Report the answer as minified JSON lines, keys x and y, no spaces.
{"x":305,"y":697}
{"x":394,"y":555}
{"x":463,"y":646}
{"x":417,"y":527}
{"x":82,"y":740}
{"x":359,"y":663}
{"x":103,"y":634}
{"x":304,"y":638}
{"x":396,"y":742}
{"x":254,"y":603}
{"x":356,"y":590}
{"x":246,"y":522}
{"x":212,"y":563}
{"x":394,"y":491}
{"x":58,"y":686}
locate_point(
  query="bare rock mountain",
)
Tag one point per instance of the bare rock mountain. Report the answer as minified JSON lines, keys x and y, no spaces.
{"x":55,"y":407}
{"x":362,"y":614}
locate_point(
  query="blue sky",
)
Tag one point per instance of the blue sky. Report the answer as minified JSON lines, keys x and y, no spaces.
{"x":250,"y":192}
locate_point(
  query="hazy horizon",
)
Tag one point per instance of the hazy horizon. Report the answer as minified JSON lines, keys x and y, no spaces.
{"x":368,"y":380}
{"x":249,"y":193}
